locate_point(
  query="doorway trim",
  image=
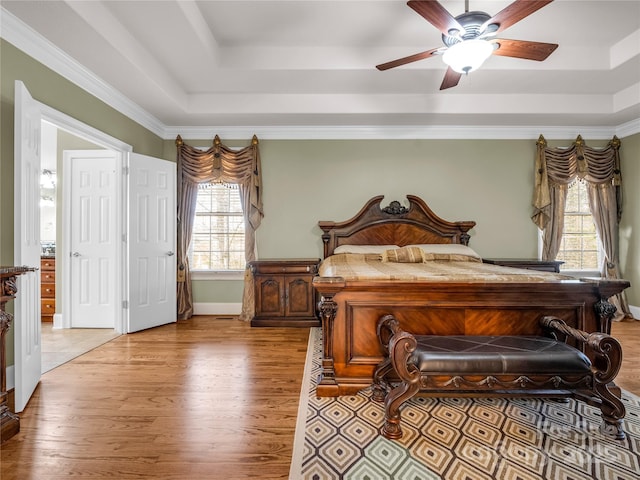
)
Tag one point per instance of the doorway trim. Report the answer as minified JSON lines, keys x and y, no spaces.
{"x":91,"y":134}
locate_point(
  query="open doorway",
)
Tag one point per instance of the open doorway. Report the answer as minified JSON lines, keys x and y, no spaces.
{"x":59,"y":345}
{"x":144,"y":235}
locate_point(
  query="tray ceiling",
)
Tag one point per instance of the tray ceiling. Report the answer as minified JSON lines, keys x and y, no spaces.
{"x":311,"y":64}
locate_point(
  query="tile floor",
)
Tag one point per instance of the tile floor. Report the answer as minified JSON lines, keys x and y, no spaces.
{"x":61,"y":345}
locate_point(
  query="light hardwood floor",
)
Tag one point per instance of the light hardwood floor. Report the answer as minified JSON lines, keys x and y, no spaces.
{"x":206,"y":398}
{"x":203,"y":399}
{"x":628,"y":333}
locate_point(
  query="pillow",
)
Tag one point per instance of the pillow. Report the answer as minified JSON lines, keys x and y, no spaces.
{"x":403,"y":255}
{"x":454,"y":252}
{"x":377,"y":249}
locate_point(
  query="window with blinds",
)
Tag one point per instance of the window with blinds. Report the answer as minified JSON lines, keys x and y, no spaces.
{"x":579,"y":248}
{"x":217,"y":242}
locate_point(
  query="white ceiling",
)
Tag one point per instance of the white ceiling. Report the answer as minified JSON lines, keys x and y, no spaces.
{"x":188,"y":64}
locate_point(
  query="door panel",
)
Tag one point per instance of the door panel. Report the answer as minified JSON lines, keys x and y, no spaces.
{"x":94,"y":239}
{"x":152,"y":242}
{"x":27,"y":328}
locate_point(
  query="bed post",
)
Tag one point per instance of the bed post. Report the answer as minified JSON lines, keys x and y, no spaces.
{"x":327,"y":287}
{"x":605,"y":310}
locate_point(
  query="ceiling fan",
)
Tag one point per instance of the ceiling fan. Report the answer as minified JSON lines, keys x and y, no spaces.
{"x":470,"y":39}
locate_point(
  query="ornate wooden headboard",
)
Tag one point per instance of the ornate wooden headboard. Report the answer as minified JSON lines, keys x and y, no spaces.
{"x":393,"y":225}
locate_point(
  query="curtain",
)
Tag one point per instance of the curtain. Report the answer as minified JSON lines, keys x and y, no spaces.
{"x":217,"y":164}
{"x":555,"y":169}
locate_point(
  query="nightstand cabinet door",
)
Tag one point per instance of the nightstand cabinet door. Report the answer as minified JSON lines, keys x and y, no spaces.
{"x":270,"y":296}
{"x":284,"y":293}
{"x":299,"y":297}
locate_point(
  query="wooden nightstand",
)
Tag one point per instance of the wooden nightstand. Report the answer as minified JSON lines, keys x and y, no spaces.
{"x":284,"y":294}
{"x":529,"y":263}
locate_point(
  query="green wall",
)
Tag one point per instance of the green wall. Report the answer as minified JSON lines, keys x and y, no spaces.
{"x":487,"y":181}
{"x":630,"y":224}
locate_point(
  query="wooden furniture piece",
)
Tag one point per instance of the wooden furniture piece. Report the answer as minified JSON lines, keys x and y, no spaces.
{"x":529,"y":263}
{"x":47,"y":288}
{"x":284,"y":293}
{"x":9,"y":421}
{"x":349,"y":310}
{"x":504,"y":366}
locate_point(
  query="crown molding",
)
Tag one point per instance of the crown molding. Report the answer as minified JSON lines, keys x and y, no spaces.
{"x":627,"y":129}
{"x":402,"y":132}
{"x":23,"y":37}
{"x":35,"y":45}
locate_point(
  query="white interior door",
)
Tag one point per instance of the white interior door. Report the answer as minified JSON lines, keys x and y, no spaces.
{"x":26,"y":324}
{"x":94,"y":239}
{"x":151,"y":242}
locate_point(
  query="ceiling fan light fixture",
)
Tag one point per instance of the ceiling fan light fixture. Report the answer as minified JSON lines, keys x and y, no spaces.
{"x":468,"y":55}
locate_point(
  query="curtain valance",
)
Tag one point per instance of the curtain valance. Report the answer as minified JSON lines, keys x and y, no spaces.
{"x":561,"y":166}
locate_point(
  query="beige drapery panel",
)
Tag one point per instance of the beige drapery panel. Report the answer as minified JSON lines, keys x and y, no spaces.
{"x":217,"y":164}
{"x":555,"y":170}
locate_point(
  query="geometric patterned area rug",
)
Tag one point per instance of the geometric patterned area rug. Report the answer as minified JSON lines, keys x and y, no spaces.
{"x":457,"y":438}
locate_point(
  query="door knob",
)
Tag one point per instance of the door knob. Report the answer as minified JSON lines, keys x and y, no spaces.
{"x":76,"y":254}
{"x":170,"y":254}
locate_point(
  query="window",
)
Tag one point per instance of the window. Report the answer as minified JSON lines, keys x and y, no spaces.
{"x":579,"y":248}
{"x":217,"y":243}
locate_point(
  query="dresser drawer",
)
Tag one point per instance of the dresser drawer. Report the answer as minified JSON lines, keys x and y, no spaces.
{"x":48,"y":290}
{"x":47,"y":307}
{"x":48,"y":277}
{"x":47,"y":264}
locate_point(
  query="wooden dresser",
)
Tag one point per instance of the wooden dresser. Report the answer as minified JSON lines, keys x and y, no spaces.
{"x":284,"y":293}
{"x":47,"y":288}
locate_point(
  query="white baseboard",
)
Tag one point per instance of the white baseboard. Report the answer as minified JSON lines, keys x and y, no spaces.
{"x":635,"y":311}
{"x":10,"y":377}
{"x":217,"y":308}
{"x":57,"y":321}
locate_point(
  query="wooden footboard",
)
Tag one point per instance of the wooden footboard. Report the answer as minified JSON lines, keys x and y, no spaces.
{"x":350,"y":311}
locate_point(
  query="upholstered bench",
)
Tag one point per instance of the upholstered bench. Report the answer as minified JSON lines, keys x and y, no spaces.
{"x":542,"y":366}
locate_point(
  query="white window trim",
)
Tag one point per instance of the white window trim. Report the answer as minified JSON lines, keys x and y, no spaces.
{"x":571,"y":273}
{"x":217,"y":274}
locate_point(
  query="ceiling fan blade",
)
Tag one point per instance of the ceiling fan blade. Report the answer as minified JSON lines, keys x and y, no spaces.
{"x":522,"y":49}
{"x":451,"y":79}
{"x":514,"y":13}
{"x":437,"y":15}
{"x":405,"y":60}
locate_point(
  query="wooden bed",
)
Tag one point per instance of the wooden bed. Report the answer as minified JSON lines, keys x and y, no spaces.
{"x":350,"y":309}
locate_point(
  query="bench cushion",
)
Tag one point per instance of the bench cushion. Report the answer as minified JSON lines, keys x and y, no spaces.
{"x":493,"y":355}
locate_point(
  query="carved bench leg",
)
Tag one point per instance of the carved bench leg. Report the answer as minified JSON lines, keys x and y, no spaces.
{"x":613,"y":412}
{"x":401,"y":346}
{"x":380,"y":385}
{"x":395,"y":398}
